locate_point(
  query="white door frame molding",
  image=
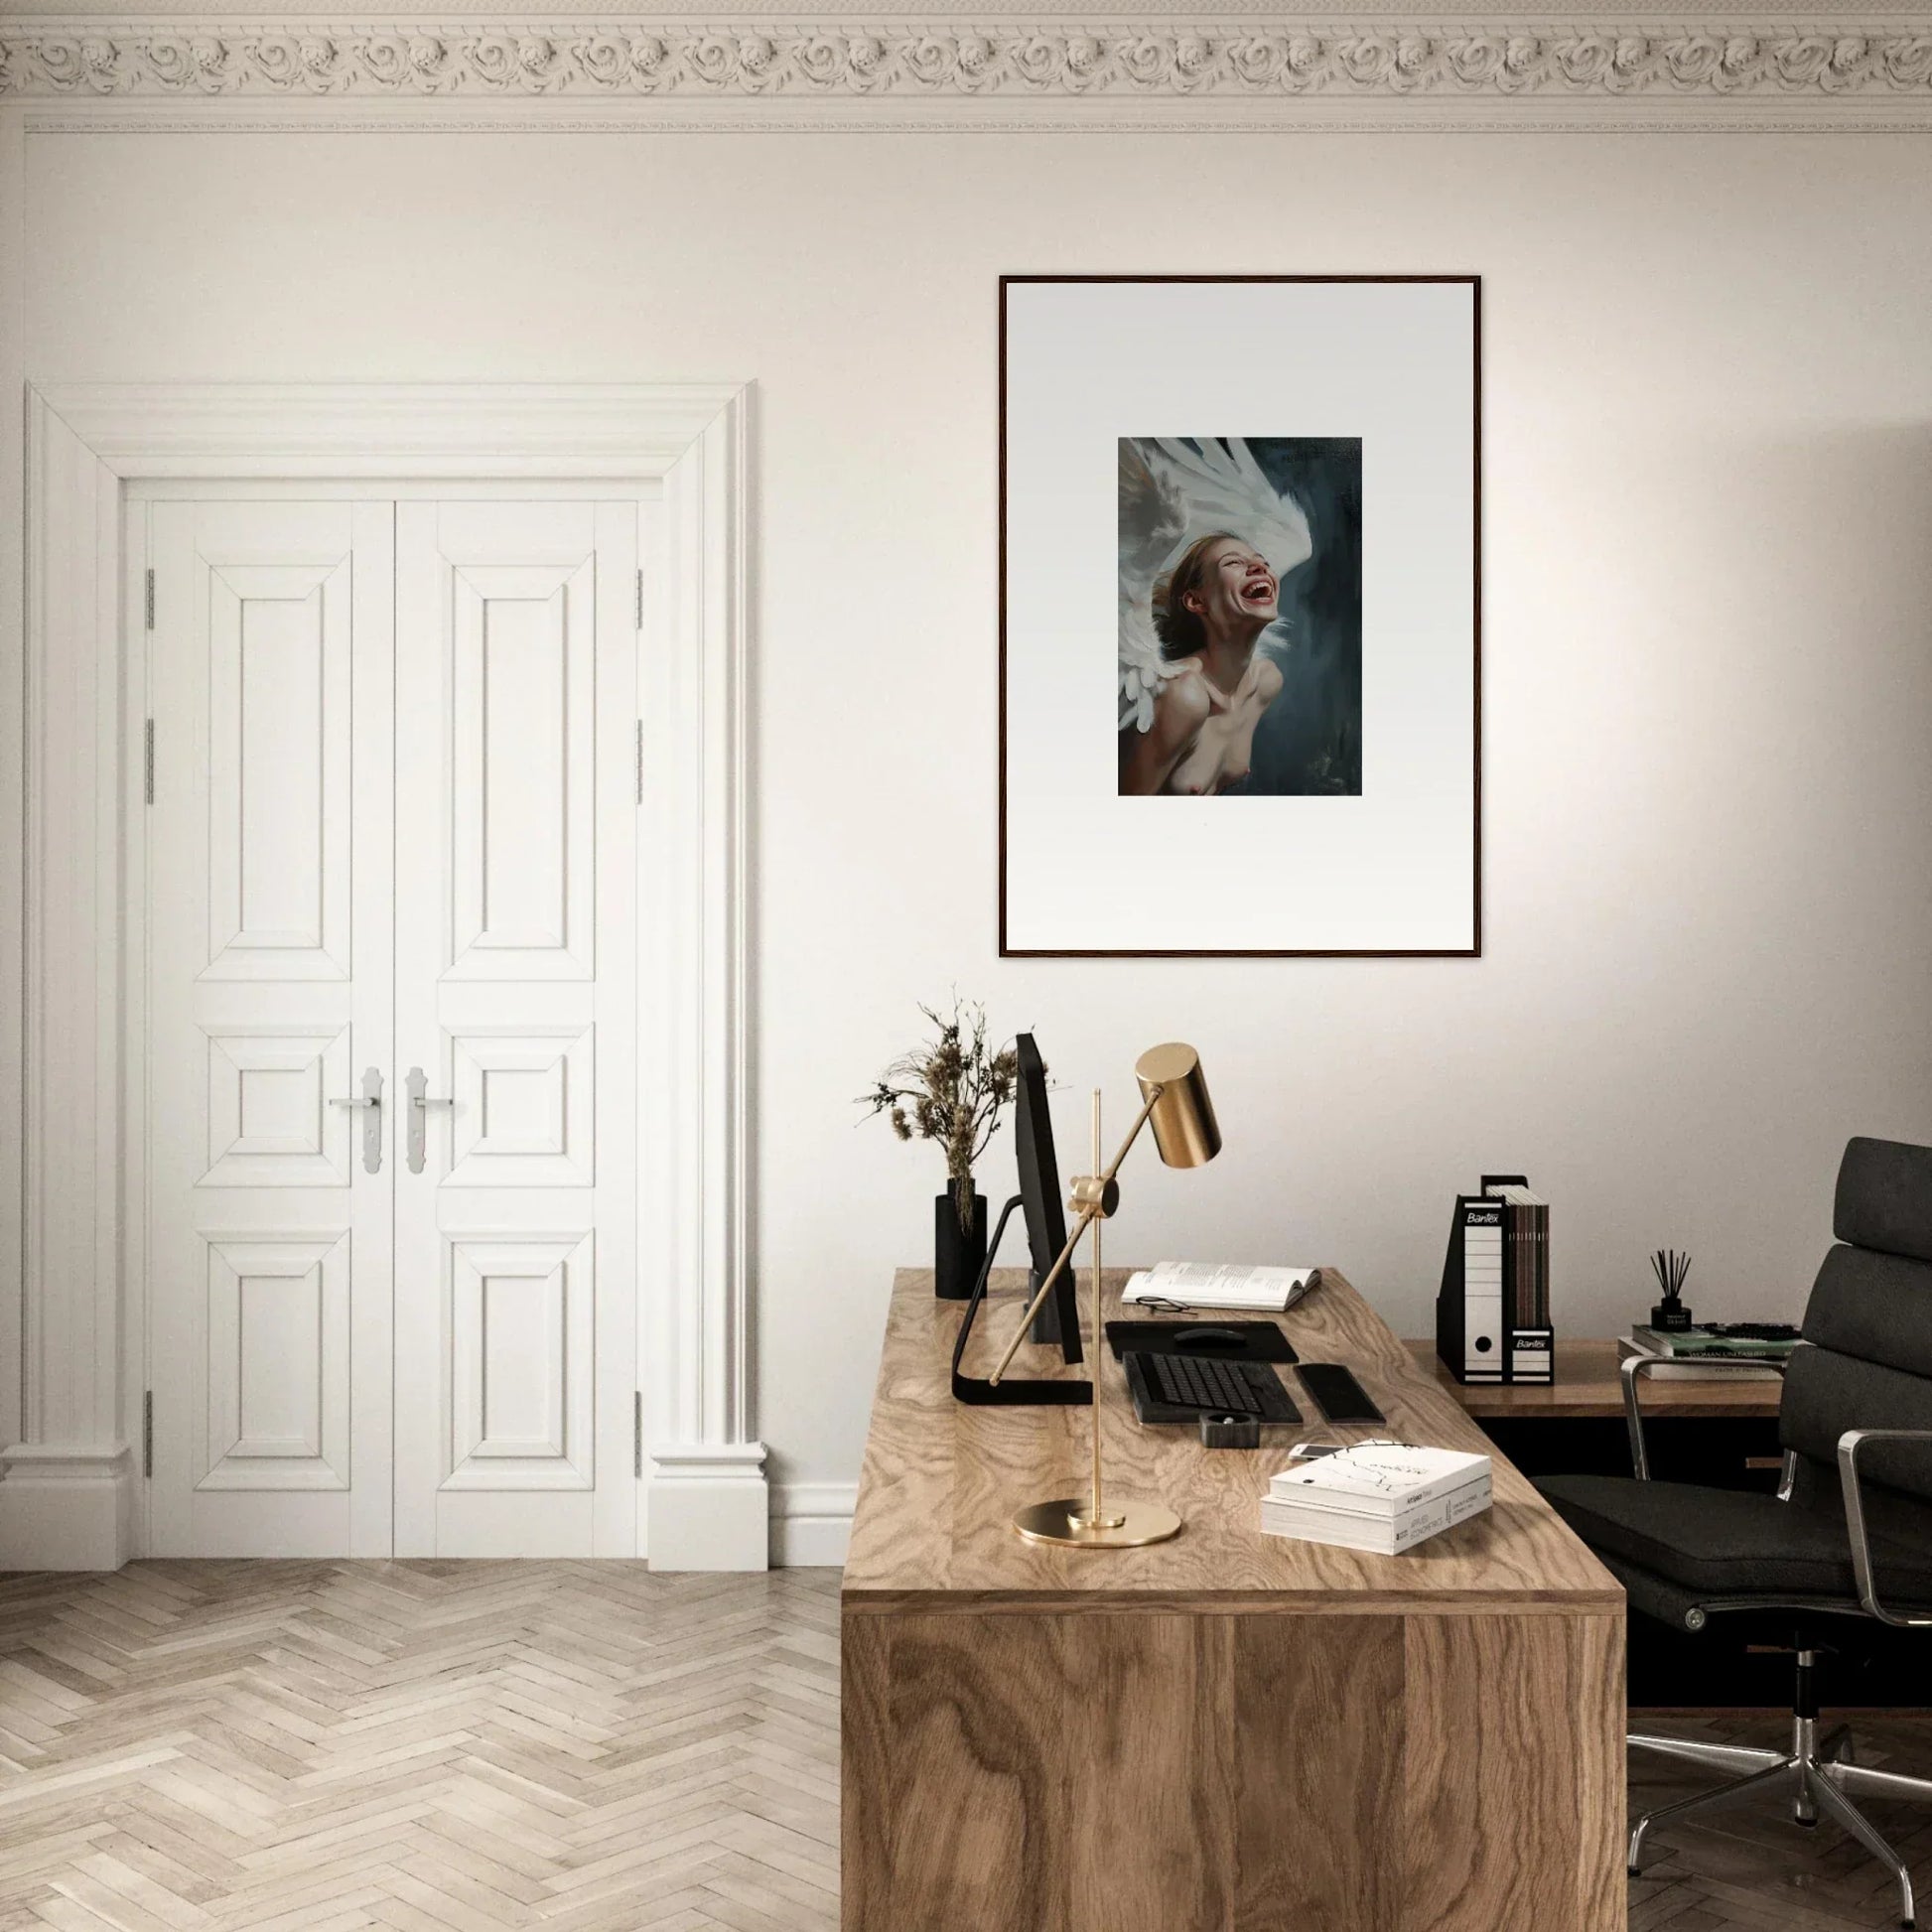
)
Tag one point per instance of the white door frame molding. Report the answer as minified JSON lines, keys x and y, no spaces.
{"x":68,"y":1470}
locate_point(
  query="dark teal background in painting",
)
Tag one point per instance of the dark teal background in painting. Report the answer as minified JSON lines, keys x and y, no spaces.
{"x":1310,"y":740}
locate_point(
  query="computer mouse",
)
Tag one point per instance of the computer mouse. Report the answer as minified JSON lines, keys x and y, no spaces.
{"x":1208,"y":1337}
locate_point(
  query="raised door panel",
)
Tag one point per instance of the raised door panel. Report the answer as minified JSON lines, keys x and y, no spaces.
{"x":278,"y":1363}
{"x":271,"y":1117}
{"x":279,"y":770}
{"x":268,"y":997}
{"x":524,"y":1107}
{"x":523,"y":850}
{"x":522,"y":1311}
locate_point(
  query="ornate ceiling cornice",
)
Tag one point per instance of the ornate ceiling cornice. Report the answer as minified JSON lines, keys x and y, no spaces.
{"x":1832,"y":73}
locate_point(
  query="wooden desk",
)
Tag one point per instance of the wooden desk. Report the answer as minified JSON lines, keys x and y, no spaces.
{"x":1228,"y":1730}
{"x":1588,"y":1385}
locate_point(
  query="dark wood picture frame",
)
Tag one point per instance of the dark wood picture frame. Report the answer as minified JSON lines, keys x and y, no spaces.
{"x":1474,"y":949}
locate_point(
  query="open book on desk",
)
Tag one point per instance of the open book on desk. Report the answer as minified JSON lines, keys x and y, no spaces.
{"x":1211,"y":1285}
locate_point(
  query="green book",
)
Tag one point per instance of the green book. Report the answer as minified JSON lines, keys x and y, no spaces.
{"x":1701,"y":1342}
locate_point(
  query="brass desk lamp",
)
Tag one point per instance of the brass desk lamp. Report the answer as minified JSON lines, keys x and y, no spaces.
{"x":1175,"y":1102}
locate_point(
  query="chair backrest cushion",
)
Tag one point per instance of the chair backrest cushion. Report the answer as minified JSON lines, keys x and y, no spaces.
{"x":1884,"y":1197}
{"x":1869,"y":1323}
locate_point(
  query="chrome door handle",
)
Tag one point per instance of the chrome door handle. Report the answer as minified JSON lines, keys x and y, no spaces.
{"x":420,"y":1102}
{"x":370,"y":1099}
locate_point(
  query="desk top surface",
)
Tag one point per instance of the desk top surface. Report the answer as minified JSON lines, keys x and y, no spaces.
{"x":1588,"y":1385}
{"x":942,"y":1479}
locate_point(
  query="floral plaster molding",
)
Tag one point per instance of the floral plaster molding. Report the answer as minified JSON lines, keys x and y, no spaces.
{"x":1832,"y":73}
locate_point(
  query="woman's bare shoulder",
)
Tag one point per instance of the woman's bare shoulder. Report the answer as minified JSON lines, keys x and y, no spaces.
{"x":1268,"y":680}
{"x":1183,"y":697}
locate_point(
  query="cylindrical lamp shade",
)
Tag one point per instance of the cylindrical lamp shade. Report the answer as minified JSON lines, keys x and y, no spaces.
{"x":1184,"y":1127}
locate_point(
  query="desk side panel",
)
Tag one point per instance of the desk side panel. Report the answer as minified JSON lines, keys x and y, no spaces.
{"x":1514,"y":1775}
{"x":956,"y":1795}
{"x":1317,"y":1721}
{"x":1153,"y":1780}
{"x":864,"y":1770}
{"x":1137,"y":1772}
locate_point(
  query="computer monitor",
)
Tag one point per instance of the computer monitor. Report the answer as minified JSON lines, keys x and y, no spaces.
{"x":1039,"y":1195}
{"x":1038,"y":1199}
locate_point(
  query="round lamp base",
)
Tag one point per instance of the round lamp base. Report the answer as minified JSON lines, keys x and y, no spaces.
{"x":1130,"y":1526}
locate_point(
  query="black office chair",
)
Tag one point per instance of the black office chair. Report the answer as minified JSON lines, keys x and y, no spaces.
{"x":1847,"y":1540}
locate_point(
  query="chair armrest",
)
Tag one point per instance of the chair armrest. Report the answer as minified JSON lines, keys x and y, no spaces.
{"x":1848,"y":1446}
{"x":1635,"y":1367}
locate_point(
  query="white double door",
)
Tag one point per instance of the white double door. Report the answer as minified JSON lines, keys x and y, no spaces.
{"x":390,"y":860}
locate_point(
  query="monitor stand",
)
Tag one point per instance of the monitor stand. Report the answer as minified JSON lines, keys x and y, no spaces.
{"x":1010,"y":1391}
{"x":1046,"y":1323}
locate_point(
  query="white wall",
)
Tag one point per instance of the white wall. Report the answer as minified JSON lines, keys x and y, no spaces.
{"x":1707,"y":650}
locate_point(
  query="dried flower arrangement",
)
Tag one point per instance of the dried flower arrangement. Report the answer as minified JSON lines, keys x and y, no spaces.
{"x":952,"y":1090}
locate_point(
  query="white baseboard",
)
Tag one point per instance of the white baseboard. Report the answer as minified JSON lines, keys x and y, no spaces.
{"x":710,"y":1509}
{"x":66,"y":1508}
{"x":709,"y":1506}
{"x":811,"y":1523}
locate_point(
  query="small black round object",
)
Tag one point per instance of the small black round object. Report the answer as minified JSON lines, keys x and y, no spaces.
{"x":1230,"y":1431}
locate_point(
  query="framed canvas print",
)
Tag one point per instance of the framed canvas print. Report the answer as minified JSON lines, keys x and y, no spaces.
{"x":1239,"y":615}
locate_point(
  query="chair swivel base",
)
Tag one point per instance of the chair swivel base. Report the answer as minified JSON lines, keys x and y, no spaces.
{"x":1817,"y":1774}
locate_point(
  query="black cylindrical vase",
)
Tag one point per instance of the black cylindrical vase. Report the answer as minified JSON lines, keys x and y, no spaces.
{"x":958,"y":1253}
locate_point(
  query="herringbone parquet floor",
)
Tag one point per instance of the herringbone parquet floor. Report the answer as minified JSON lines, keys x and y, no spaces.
{"x":464,"y":1747}
{"x":588,"y":1747}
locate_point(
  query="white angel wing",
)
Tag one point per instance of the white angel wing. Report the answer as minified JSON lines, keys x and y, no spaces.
{"x":1225,"y":486}
{"x":1153,"y":509}
{"x":1172,"y":493}
{"x":1142,"y":670}
{"x":1153,"y":526}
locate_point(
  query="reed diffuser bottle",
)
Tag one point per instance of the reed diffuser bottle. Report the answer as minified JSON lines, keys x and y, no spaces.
{"x":1670,"y":1314}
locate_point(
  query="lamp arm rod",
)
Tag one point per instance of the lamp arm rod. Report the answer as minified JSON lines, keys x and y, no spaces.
{"x":1089,"y":1215}
{"x":1133,"y":1134}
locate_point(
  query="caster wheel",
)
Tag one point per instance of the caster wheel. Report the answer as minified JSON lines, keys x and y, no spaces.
{"x":1633,"y":1871}
{"x":1810,"y":1824}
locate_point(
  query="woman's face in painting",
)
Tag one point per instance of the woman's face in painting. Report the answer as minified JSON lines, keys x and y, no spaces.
{"x":1239,"y":592}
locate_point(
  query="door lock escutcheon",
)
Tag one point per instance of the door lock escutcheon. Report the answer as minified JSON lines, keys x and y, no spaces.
{"x":420,"y":1102}
{"x":370,"y":1101}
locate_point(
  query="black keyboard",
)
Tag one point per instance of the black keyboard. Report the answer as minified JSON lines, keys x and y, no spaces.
{"x":1752,"y":1330}
{"x":1190,"y":1386}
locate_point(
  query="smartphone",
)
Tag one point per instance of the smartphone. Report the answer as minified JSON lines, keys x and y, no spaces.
{"x":1338,"y":1393}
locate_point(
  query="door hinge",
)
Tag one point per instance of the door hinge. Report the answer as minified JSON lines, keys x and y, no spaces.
{"x":147,"y":1434}
{"x":150,"y":599}
{"x":640,"y":761}
{"x":640,"y":600}
{"x":148,"y":761}
{"x":637,"y":1432}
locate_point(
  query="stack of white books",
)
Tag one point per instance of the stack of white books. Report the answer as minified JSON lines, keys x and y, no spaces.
{"x":1211,"y":1285}
{"x":1380,"y":1496}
